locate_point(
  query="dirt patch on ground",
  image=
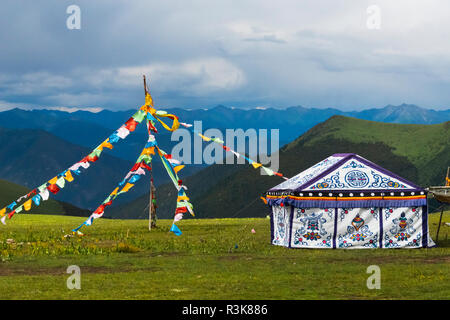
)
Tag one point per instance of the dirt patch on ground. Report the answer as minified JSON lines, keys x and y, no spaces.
{"x":434,"y":260}
{"x":55,"y":271}
{"x":394,"y":259}
{"x":13,"y":271}
{"x":167,"y":254}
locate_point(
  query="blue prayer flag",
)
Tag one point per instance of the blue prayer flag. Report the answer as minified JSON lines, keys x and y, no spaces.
{"x":12,"y":205}
{"x":176,"y":230}
{"x":113,"y":138}
{"x":37,"y":199}
{"x":134,"y":178}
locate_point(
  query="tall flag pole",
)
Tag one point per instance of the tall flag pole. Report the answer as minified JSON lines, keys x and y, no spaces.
{"x":151,"y":221}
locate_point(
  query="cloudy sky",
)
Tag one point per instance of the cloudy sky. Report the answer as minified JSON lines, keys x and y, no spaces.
{"x":237,"y":53}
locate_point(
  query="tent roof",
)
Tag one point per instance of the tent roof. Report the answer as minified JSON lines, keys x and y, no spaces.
{"x":346,"y":172}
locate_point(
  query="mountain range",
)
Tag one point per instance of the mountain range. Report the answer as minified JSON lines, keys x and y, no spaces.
{"x":38,"y":144}
{"x":88,"y":129}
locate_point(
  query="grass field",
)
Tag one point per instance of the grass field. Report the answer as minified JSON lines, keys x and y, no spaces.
{"x":213,"y":259}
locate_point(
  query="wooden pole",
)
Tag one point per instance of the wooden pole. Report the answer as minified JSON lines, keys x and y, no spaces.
{"x":440,"y":221}
{"x":150,"y":204}
{"x":447,"y":182}
{"x":145,"y":85}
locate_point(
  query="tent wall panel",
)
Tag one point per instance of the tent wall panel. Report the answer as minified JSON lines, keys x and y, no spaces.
{"x":281,"y":225}
{"x":403,"y":227}
{"x":312,"y":228}
{"x":350,"y":228}
{"x":358,"y":227}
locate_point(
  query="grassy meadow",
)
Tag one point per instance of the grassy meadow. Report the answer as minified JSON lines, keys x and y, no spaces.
{"x":213,"y":259}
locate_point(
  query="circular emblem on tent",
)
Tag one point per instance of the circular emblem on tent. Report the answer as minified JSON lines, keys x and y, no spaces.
{"x":357,"y":179}
{"x":393,"y":184}
{"x":322,"y":185}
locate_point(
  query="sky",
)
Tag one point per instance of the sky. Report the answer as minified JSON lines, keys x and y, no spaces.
{"x":351,"y":54}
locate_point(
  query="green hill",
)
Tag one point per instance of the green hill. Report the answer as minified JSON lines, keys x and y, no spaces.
{"x":10,"y":191}
{"x":419,"y":153}
{"x":425,"y":146}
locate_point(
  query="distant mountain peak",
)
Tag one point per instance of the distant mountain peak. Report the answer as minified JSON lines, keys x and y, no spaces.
{"x":220,"y":107}
{"x":407,"y":106}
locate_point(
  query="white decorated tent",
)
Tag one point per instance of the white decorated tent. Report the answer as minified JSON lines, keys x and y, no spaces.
{"x":346,"y":201}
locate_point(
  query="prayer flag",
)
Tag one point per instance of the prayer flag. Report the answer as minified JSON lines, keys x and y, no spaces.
{"x":176,"y":230}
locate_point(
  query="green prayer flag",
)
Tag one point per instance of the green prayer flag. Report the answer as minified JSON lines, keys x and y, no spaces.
{"x":139,"y":116}
{"x":144,"y":157}
{"x":268,"y":171}
{"x":95,"y":153}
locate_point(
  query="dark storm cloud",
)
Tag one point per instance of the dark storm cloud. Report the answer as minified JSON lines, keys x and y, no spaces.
{"x":252,"y":53}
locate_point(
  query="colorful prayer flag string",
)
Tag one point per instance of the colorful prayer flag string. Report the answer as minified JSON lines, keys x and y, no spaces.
{"x":58,"y":182}
{"x":124,"y":186}
{"x":255,"y":164}
{"x":144,"y":160}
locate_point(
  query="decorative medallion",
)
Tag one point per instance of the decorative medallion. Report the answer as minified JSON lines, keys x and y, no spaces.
{"x":357,"y":179}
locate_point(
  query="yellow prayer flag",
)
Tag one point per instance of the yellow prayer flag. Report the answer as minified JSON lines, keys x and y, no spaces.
{"x":149,"y":151}
{"x":27,"y":205}
{"x":69,"y":176}
{"x":106,"y":144}
{"x":115,"y":191}
{"x":256,"y":165}
{"x":53,"y":181}
{"x":2,"y":212}
{"x":181,"y":198}
{"x":178,"y":168}
{"x":204,"y":138}
{"x":148,"y":100}
{"x":175,"y":123}
{"x":127,"y":187}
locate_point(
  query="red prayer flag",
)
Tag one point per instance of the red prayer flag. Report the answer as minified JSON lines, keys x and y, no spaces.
{"x":53,"y":188}
{"x":131,"y":124}
{"x":92,"y":159}
{"x":108,"y":203}
{"x":32,"y":193}
{"x":11,"y":214}
{"x":143,"y":165}
{"x":181,"y":210}
{"x":89,"y":159}
{"x":151,"y":127}
{"x":100,"y":209}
